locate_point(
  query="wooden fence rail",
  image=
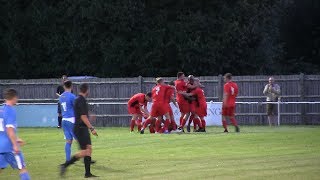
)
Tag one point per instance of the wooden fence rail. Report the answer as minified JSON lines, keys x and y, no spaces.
{"x":293,"y":88}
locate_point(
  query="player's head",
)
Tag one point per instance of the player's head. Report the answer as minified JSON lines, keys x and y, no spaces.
{"x":149,"y":97}
{"x":10,"y":96}
{"x":227,"y":77}
{"x":159,"y":80}
{"x":67,"y":85}
{"x":271,"y":80}
{"x":171,"y":83}
{"x":191,"y":79}
{"x":180,"y":75}
{"x":84,"y":89}
{"x":64,"y":78}
{"x":196,"y":82}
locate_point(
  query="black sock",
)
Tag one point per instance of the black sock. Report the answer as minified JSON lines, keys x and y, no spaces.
{"x":59,"y":121}
{"x":87,"y":164}
{"x":71,"y":161}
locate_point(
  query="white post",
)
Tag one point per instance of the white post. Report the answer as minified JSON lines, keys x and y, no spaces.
{"x":279,"y":102}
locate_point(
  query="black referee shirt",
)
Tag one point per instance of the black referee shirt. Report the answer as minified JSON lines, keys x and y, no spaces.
{"x":80,"y":108}
{"x":60,"y":90}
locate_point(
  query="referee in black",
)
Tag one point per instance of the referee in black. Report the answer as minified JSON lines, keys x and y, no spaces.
{"x":82,"y":126}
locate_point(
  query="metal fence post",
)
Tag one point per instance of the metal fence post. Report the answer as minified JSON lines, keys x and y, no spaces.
{"x":279,"y":110}
{"x":302,"y":98}
{"x":220,"y":87}
{"x":140,"y":84}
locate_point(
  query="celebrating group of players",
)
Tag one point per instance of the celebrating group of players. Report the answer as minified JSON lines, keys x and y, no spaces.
{"x":191,"y":101}
{"x":185,"y":93}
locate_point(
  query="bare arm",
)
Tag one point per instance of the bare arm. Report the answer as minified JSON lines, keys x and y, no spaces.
{"x":189,"y":86}
{"x":144,"y":110}
{"x":265,"y":91}
{"x":13,"y":138}
{"x":86,"y":121}
{"x":185,"y":94}
{"x":225,"y":97}
{"x":58,"y":94}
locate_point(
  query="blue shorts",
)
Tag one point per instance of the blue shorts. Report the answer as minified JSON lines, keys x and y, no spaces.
{"x":16,"y":161}
{"x":3,"y":162}
{"x":68,"y":130}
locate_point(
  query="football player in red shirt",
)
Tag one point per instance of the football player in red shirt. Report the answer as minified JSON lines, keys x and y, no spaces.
{"x":160,"y":106}
{"x":170,"y":98}
{"x":230,"y":92}
{"x":135,"y":105}
{"x":184,"y":106}
{"x":200,"y":106}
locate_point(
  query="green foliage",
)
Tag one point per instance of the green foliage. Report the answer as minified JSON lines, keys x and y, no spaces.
{"x":117,"y":38}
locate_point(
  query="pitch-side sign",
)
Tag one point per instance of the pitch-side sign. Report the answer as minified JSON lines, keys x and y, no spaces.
{"x":212,"y":119}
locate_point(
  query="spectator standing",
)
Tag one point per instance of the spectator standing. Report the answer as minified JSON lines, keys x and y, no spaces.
{"x":272,"y":93}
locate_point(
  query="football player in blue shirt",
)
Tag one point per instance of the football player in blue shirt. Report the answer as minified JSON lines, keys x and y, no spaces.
{"x":66,"y":101}
{"x":10,"y":143}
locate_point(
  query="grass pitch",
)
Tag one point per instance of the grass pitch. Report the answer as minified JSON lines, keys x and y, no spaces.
{"x":255,"y":153}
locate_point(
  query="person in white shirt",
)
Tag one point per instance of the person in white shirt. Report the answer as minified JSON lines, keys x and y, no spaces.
{"x":272,"y":92}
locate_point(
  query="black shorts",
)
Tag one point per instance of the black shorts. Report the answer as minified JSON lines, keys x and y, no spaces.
{"x":271,"y":109}
{"x":83,"y":136}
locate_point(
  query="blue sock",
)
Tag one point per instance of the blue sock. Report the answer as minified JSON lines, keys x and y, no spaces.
{"x":67,"y":149}
{"x":25,"y":176}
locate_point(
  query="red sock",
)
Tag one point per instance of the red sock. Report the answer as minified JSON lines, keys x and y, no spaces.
{"x":166,"y":124}
{"x":151,"y":129}
{"x":174,"y":125}
{"x":181,"y":119}
{"x":234,"y":121}
{"x":195,"y":123}
{"x":203,"y":122}
{"x":146,"y":123}
{"x":191,"y":119}
{"x":138,"y":123}
{"x":132,"y":123}
{"x":225,"y":124}
{"x":158,"y":125}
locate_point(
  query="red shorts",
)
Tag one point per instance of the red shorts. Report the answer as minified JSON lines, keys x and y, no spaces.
{"x":134,"y":110}
{"x":184,"y":107}
{"x":158,"y":110}
{"x":193,"y":107}
{"x":228,"y":111}
{"x":170,"y":111}
{"x":201,"y":111}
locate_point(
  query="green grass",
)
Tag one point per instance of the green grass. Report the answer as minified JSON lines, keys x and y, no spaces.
{"x":255,"y":153}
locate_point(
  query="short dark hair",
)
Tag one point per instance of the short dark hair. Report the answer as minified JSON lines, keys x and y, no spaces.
{"x":171,"y":83}
{"x":84,"y":87}
{"x":149,"y":94}
{"x":9,"y":94}
{"x":159,"y":79}
{"x":228,"y":75}
{"x":179,"y":74}
{"x":67,"y":84}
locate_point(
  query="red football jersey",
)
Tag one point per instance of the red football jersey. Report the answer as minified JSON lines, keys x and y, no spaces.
{"x":169,"y":95}
{"x":181,"y":85}
{"x":159,"y":93}
{"x":231,"y":89}
{"x":199,"y":95}
{"x":137,"y":99}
